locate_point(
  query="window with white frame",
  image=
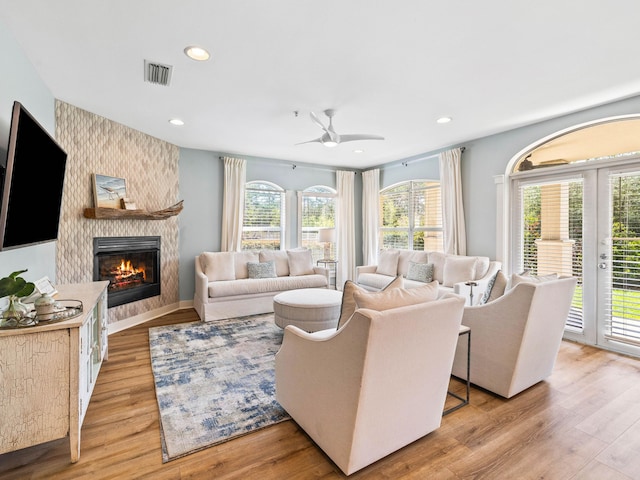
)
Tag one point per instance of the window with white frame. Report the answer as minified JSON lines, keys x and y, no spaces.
{"x":317,"y":221}
{"x":411,"y":216}
{"x":263,"y":223}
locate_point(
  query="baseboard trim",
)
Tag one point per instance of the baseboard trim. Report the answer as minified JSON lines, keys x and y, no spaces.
{"x":150,"y":315}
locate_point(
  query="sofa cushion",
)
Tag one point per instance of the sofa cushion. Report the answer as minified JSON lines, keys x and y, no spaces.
{"x":262,"y":269}
{"x":388,"y":262}
{"x":234,"y":288}
{"x":300,"y":262}
{"x":280,"y":257}
{"x":438,"y":259}
{"x":348,"y":301}
{"x":458,"y":269}
{"x":397,"y":297}
{"x":407,"y":256}
{"x":218,"y":265}
{"x":421,"y":272}
{"x":495,"y":288}
{"x":482,"y":267}
{"x":240,"y":260}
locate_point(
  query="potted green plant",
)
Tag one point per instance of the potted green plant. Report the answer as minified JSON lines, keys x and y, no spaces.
{"x":15,"y":287}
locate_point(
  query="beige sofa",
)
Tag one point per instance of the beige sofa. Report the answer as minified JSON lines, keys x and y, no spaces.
{"x":373,"y":386}
{"x":451,"y":271}
{"x":224,"y":288}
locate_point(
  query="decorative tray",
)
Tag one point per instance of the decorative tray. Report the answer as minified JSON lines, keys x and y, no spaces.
{"x":63,"y":310}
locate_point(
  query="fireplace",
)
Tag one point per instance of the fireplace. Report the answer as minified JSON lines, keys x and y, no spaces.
{"x":130,"y":264}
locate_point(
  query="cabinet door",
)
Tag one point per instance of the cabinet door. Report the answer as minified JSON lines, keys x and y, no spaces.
{"x":34,"y":375}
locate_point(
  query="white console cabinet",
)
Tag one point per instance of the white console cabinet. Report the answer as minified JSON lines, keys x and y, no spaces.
{"x":47,"y":372}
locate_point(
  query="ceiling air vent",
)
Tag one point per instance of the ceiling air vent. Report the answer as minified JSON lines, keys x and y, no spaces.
{"x":157,"y":73}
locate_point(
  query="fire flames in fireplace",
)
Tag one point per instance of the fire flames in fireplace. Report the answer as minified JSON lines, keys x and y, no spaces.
{"x":125,"y":275}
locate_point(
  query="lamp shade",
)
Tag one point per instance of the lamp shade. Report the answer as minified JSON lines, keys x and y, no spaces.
{"x":327,"y":235}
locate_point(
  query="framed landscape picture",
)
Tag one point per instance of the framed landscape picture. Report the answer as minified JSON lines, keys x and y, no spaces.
{"x":108,"y":191}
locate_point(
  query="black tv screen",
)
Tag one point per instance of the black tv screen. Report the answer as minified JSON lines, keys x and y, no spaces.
{"x":32,"y":183}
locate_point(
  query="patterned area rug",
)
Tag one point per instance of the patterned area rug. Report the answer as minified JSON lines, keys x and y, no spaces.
{"x":214,"y":381}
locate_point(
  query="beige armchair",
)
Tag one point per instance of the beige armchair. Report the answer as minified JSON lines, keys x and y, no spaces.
{"x":373,"y":386}
{"x":515,"y":338}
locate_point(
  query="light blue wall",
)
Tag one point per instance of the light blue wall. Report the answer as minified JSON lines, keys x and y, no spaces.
{"x":20,"y":81}
{"x":487,"y":157}
{"x":201,"y":187}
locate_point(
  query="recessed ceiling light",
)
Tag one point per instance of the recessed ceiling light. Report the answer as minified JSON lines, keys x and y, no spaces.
{"x":358,"y":151}
{"x":176,"y":121}
{"x":197,"y":53}
{"x":444,"y":120}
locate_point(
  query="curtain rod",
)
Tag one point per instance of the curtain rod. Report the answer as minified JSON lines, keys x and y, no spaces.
{"x":434,"y":155}
{"x":303,"y":165}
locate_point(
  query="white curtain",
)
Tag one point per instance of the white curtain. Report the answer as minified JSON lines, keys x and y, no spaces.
{"x":345,"y":228}
{"x":233,"y":204}
{"x":453,"y":226}
{"x":370,"y":209}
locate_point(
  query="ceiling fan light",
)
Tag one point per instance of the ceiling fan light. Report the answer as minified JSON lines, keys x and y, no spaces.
{"x":444,"y":120}
{"x":330,"y":143}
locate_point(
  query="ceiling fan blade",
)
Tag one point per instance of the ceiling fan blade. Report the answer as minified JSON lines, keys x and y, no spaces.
{"x":358,"y":136}
{"x":319,"y":140}
{"x":317,"y":121}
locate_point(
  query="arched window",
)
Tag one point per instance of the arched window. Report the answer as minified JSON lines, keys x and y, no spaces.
{"x":263,"y":222}
{"x":411,"y":216}
{"x":316,"y":220}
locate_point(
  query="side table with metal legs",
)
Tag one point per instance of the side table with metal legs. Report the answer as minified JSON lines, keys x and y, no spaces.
{"x":464,"y":330}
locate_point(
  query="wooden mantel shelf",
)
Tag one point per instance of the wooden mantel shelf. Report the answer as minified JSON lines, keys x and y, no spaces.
{"x":114,"y":213}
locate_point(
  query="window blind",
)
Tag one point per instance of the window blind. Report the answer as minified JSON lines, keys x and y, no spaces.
{"x":549,"y":238}
{"x":262,"y":226}
{"x":622,"y":312}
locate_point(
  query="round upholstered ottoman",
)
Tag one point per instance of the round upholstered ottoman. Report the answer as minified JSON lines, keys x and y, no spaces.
{"x":310,"y":309}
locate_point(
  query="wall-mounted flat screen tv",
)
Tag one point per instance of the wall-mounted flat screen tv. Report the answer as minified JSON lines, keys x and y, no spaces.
{"x":32,"y":181}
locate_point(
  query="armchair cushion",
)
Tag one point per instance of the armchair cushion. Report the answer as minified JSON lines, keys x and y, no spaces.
{"x":300,"y":262}
{"x":420,"y":272}
{"x":350,"y":288}
{"x":397,"y":297}
{"x":388,"y":263}
{"x":528,"y":278}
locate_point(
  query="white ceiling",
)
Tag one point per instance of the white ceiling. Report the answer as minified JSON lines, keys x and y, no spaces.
{"x":388,"y":68}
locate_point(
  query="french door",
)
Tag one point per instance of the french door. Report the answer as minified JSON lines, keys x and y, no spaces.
{"x":585,"y":222}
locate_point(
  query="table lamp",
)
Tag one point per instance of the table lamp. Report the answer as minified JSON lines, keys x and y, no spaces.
{"x":327,"y":236}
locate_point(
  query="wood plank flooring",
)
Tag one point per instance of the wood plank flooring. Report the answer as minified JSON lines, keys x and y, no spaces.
{"x":582,"y":423}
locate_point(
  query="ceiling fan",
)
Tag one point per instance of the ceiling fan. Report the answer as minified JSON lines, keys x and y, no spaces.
{"x":330,"y":138}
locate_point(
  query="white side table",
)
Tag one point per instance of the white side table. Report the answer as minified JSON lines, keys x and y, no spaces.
{"x":329,"y":262}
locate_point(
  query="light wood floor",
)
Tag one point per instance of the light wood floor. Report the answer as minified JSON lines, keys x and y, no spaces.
{"x":582,"y":423}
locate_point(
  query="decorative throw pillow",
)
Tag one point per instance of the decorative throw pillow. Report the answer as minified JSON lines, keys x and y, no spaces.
{"x":495,"y":288}
{"x":262,"y":269}
{"x":388,"y":262}
{"x":280,"y":257}
{"x":218,"y":265}
{"x":397,"y":297}
{"x":348,"y":302}
{"x":420,"y":272}
{"x":300,"y":262}
{"x":458,"y":269}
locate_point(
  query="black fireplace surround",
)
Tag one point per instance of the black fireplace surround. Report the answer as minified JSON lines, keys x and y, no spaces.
{"x":130,"y":264}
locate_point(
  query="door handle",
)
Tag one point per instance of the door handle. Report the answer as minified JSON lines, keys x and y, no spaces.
{"x":602,"y":265}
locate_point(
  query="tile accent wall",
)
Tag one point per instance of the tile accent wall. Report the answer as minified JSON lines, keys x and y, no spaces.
{"x":95,"y":144}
